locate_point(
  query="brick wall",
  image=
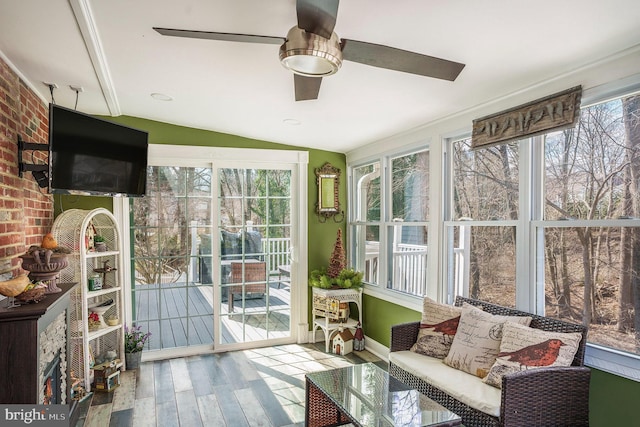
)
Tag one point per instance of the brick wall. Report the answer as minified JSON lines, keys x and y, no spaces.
{"x":26,"y":211}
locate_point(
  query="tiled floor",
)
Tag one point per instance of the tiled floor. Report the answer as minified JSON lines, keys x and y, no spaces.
{"x":261,"y":387}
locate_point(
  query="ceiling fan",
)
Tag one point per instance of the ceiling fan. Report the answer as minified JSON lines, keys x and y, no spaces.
{"x":312,"y":50}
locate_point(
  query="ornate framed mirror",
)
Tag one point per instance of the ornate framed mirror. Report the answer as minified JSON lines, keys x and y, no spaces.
{"x":328,"y":204}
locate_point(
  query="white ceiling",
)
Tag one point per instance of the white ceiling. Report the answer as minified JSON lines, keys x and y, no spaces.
{"x":109,"y":48}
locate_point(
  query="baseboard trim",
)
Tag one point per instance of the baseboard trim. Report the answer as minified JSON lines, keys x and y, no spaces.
{"x":374,"y":347}
{"x":371,"y":345}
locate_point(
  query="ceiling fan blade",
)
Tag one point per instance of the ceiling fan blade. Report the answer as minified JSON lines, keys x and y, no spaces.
{"x":230,"y":37}
{"x":391,"y":58}
{"x":306,"y":87}
{"x":317,"y":16}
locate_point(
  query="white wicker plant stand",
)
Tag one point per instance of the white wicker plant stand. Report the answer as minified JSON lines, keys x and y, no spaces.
{"x":74,"y":229}
{"x":328,"y":322}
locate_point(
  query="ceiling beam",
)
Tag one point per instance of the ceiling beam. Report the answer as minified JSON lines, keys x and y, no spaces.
{"x":89,"y":31}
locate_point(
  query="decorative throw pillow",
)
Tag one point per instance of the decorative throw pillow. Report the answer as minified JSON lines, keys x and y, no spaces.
{"x":524,"y":348}
{"x":437,"y":328}
{"x":477,"y":342}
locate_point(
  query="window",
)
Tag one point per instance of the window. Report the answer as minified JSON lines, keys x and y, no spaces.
{"x":482,"y":243}
{"x":591,"y":226}
{"x":551,"y":224}
{"x":389,"y":223}
{"x":365,"y":226}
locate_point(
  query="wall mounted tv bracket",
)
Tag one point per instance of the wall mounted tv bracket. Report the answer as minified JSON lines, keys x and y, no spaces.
{"x":39,"y":172}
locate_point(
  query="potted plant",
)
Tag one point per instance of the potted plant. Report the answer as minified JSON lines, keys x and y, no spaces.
{"x":99,"y":243}
{"x":337,"y":276}
{"x":134,"y":341}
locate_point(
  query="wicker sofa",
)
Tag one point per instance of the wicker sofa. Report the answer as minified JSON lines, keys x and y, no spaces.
{"x":552,"y":396}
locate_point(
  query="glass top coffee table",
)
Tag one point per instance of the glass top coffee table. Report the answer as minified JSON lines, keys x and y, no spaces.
{"x":366,"y":395}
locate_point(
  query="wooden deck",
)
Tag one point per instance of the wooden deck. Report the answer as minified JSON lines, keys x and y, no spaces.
{"x":173,"y":301}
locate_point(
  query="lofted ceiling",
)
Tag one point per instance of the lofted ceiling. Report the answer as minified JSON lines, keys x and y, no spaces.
{"x":110,"y":50}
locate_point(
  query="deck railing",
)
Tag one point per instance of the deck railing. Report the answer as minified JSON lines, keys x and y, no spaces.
{"x":277,"y":252}
{"x":409,"y":265}
{"x":410,"y":268}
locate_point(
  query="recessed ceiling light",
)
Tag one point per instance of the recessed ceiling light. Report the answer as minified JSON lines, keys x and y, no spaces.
{"x":161,"y":97}
{"x":291,"y":122}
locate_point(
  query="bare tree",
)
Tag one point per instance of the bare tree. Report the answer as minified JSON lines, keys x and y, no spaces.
{"x":629,"y":283}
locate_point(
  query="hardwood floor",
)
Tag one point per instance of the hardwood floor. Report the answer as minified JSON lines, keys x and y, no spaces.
{"x":260,"y":387}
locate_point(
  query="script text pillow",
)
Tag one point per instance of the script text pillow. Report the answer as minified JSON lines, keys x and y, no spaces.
{"x":528,"y":348}
{"x":477,"y":341}
{"x":437,"y":328}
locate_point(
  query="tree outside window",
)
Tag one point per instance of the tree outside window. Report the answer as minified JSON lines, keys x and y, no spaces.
{"x":584,"y":242}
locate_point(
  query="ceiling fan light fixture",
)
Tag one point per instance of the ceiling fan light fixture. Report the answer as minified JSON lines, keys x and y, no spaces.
{"x":311,"y":55}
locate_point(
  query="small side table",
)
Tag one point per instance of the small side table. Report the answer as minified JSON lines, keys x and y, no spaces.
{"x":320,"y":320}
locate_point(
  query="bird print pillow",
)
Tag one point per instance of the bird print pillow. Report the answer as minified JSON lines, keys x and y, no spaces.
{"x":477,"y":341}
{"x":437,"y":328}
{"x":524,"y":348}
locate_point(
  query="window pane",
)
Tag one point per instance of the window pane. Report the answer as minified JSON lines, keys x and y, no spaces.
{"x":199,"y":181}
{"x":366,"y":180}
{"x":410,"y":187}
{"x":484,"y":263}
{"x":589,"y":275}
{"x":366,"y":247}
{"x":407,"y":245}
{"x":485,"y":182}
{"x":590,"y":169}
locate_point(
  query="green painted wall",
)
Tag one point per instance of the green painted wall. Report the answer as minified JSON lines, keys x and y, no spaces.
{"x":380,"y":315}
{"x":612,"y":400}
{"x":64,"y":202}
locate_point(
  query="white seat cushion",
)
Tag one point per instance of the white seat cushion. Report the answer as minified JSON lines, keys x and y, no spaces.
{"x":464,"y":387}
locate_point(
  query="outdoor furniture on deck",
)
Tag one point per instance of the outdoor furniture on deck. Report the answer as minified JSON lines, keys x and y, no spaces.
{"x":284,"y":270}
{"x":254,"y":279}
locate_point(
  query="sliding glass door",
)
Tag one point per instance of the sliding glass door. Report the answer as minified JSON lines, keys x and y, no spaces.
{"x":171,"y":228}
{"x":254,"y":223}
{"x":213,"y":259}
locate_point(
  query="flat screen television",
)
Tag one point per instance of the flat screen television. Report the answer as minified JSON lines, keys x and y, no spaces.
{"x":92,"y":156}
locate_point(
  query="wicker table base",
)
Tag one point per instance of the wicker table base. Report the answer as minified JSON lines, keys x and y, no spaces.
{"x":320,"y":410}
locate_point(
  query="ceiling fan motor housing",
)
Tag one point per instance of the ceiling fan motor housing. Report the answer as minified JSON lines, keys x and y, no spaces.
{"x":311,"y":55}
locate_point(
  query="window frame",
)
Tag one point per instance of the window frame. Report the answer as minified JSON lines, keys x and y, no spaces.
{"x":530,"y":297}
{"x":385,"y":160}
{"x":530,"y":225}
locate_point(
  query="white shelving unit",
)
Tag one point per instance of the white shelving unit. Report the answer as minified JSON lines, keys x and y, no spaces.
{"x":74,"y":229}
{"x":327,"y":324}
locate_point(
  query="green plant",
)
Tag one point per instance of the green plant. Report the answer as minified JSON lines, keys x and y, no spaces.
{"x":320,"y":279}
{"x":347,"y":278}
{"x":134,"y":339}
{"x":98,"y":238}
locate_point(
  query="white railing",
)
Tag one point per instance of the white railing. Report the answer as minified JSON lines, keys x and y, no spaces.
{"x":410,"y":269}
{"x":409,"y":264}
{"x":409,"y":272}
{"x":276,"y":252}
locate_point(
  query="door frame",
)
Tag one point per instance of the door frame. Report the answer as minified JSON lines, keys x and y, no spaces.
{"x":197,"y":156}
